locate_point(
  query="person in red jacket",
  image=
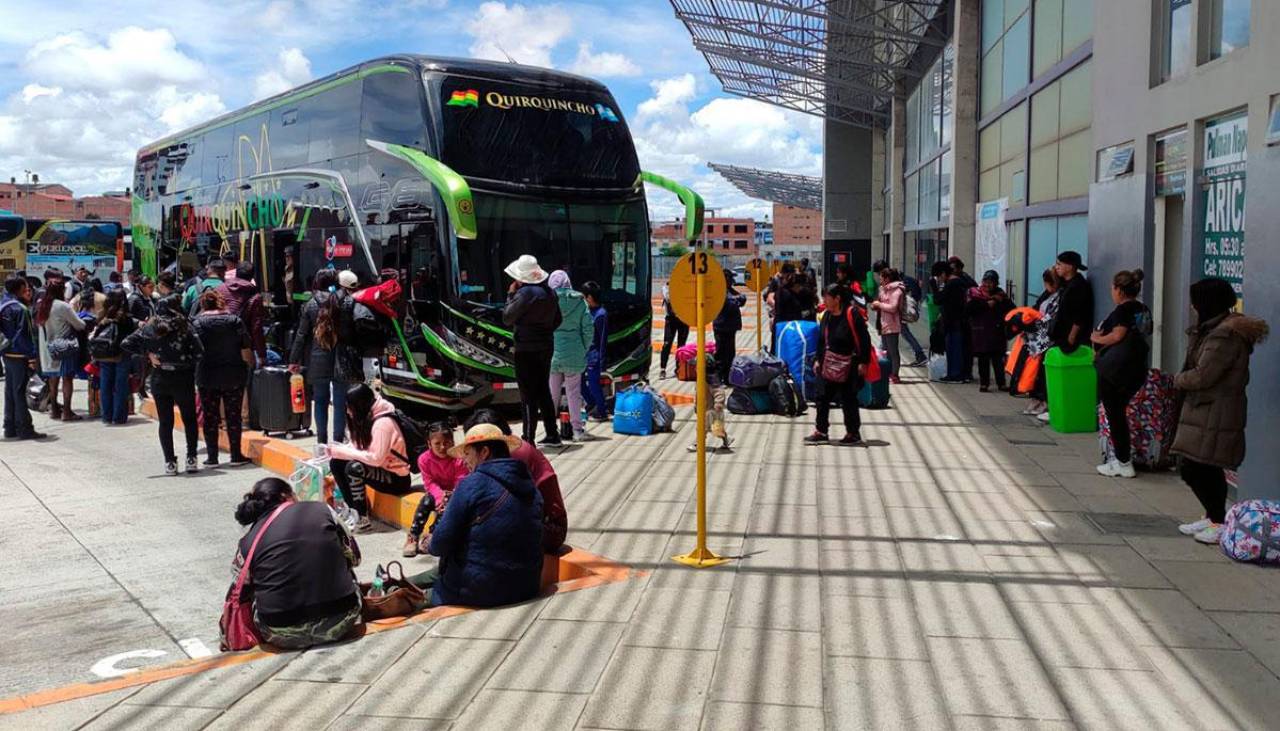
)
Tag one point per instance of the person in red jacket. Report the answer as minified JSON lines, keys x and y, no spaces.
{"x":243,"y":299}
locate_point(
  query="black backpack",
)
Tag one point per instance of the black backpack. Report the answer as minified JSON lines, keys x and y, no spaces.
{"x":371,"y":336}
{"x":105,"y":342}
{"x":786,"y":396}
{"x":415,"y":438}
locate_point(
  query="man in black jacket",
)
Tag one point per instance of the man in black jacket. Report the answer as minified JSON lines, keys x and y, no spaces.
{"x":1074,"y":322}
{"x":533,"y":312}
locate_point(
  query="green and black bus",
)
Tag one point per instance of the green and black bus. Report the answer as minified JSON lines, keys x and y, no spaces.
{"x":440,"y":170}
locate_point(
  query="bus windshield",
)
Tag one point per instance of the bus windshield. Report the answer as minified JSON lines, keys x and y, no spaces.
{"x":535,"y":136}
{"x":604,"y":243}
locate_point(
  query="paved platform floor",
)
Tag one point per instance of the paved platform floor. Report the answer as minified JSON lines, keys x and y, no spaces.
{"x":967,"y":569}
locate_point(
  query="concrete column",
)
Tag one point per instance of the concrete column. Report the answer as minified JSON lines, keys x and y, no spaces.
{"x":846,"y":195}
{"x":898,"y":138}
{"x":964,"y":136}
{"x":878,"y":221}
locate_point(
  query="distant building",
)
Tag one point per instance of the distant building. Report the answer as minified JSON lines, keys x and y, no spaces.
{"x":794,"y":226}
{"x":764,"y":233}
{"x":729,"y":234}
{"x":50,"y":200}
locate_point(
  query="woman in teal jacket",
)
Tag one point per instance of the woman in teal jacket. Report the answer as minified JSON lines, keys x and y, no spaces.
{"x":572,"y":338}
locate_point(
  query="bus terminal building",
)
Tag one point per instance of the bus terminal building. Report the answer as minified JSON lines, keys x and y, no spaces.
{"x":1142,"y":134}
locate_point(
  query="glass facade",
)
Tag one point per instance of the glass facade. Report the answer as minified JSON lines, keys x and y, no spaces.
{"x":1048,"y":237}
{"x":1006,"y":51}
{"x":930,"y":109}
{"x":1061,"y":147}
{"x":1228,"y":26}
{"x":1176,"y":23}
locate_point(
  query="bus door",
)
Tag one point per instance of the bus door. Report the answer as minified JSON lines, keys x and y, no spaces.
{"x":415,"y":253}
{"x":286,"y":285}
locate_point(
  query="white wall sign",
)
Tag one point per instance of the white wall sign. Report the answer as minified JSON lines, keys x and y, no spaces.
{"x":991,"y":240}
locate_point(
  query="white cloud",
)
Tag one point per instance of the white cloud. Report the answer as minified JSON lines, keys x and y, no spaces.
{"x":525,"y":34}
{"x":669,"y":96}
{"x":672,"y":140}
{"x":291,"y":69}
{"x":602,"y":65}
{"x":131,"y":58}
{"x":91,"y":102}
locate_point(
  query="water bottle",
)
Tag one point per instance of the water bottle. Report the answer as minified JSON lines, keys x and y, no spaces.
{"x":297,"y":393}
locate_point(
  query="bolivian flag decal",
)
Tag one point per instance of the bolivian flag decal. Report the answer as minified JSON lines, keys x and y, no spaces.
{"x":468,"y":98}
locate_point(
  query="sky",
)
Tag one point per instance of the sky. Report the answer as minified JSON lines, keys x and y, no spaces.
{"x":84,"y":84}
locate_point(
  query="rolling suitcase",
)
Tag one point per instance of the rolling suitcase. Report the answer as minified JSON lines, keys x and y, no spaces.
{"x":875,"y":394}
{"x":270,"y":407}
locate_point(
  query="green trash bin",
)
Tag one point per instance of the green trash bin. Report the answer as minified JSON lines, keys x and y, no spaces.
{"x":1073,"y":390}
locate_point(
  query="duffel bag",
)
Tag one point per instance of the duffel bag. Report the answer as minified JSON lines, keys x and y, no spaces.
{"x":664,"y":415}
{"x":749,"y":402}
{"x":756,"y":370}
{"x":1251,"y":531}
{"x":1153,"y":420}
{"x":690,"y":351}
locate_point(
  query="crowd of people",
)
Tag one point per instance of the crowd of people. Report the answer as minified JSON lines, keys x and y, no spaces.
{"x":490,"y":504}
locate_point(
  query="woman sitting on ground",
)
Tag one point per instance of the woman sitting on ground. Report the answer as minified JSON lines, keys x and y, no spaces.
{"x":555,"y":519}
{"x":303,"y":588}
{"x":440,"y":475}
{"x":374,"y":457}
{"x":489,"y":540}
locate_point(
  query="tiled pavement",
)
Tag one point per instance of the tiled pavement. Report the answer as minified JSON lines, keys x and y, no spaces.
{"x":950,"y":575}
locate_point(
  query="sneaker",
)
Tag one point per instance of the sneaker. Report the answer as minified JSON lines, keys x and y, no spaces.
{"x":1194,"y":527}
{"x":580,"y":435}
{"x":192,"y":467}
{"x":895,"y":380}
{"x":363,"y":524}
{"x":1210,"y":534}
{"x":171,"y":468}
{"x":816,"y":438}
{"x":410,"y":547}
{"x":919,"y":362}
{"x":239,"y":459}
{"x":210,"y":462}
{"x":1043,"y":416}
{"x":984,"y":389}
{"x":32,"y":435}
{"x":554,"y":441}
{"x":1116,"y":468}
{"x":727,"y":443}
{"x":851,"y":440}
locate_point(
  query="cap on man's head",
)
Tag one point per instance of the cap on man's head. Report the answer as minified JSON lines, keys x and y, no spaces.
{"x":347,"y":279}
{"x":1072,"y":258}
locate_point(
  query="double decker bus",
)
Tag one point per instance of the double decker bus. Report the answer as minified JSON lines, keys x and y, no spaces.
{"x":441,"y":170}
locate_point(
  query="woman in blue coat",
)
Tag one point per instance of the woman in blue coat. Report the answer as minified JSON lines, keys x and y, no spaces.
{"x":489,"y":539}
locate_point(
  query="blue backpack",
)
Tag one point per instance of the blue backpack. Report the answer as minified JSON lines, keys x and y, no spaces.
{"x":633,"y":412}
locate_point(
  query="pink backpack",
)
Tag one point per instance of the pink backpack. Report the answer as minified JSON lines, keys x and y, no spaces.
{"x":1251,"y":531}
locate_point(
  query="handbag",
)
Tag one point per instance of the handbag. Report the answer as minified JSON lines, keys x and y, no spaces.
{"x":236,"y":625}
{"x":400,"y":597}
{"x":64,"y":349}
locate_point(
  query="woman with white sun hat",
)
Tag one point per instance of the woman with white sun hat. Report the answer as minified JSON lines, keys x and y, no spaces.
{"x":533,"y":312}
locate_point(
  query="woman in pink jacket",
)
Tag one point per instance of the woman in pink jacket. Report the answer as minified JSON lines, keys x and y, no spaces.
{"x":889,"y":304}
{"x":440,"y":474}
{"x":374,"y":456}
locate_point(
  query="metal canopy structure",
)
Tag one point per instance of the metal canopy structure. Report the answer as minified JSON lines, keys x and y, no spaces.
{"x":838,"y":59}
{"x":803,"y":191}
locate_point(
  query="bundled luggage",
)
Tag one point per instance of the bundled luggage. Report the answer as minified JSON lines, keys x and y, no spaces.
{"x":664,"y":415}
{"x":785,"y":396}
{"x":1251,"y":532}
{"x":633,"y":412}
{"x":756,"y":370}
{"x":797,"y":346}
{"x":271,"y":404}
{"x":1153,"y":419}
{"x":875,"y":393}
{"x":687,"y":370}
{"x":750,"y":402}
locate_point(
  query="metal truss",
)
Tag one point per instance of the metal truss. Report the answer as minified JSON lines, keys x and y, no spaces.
{"x":839,"y":59}
{"x":803,"y":191}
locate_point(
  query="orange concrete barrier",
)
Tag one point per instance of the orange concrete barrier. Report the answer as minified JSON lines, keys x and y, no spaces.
{"x":574,"y":570}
